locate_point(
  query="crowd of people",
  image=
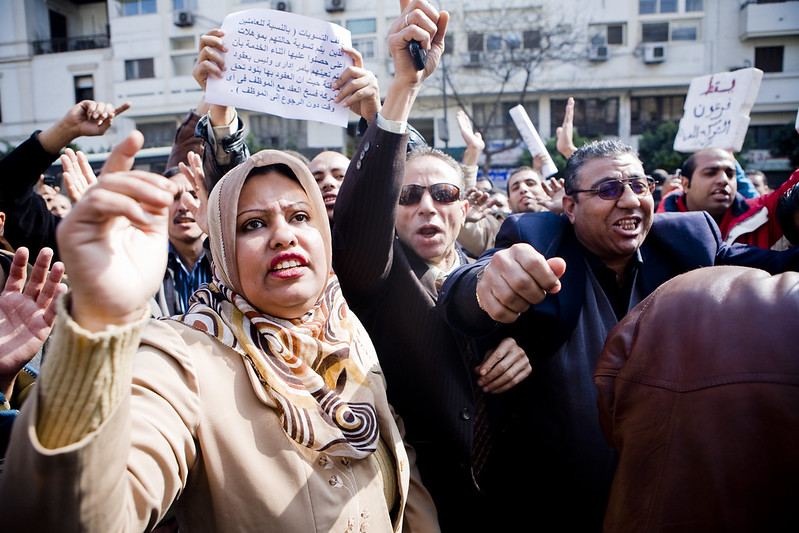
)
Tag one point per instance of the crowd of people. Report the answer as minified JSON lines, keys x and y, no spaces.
{"x":386,"y":342}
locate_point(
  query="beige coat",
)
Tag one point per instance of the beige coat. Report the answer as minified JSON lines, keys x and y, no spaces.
{"x":193,"y":431}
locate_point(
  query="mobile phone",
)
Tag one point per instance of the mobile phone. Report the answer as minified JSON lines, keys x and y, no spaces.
{"x":418,"y":54}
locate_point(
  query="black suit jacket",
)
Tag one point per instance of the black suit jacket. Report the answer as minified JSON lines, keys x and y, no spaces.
{"x":391,"y":290}
{"x":555,"y":412}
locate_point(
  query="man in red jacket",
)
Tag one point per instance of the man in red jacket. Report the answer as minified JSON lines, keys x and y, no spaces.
{"x":709,"y":184}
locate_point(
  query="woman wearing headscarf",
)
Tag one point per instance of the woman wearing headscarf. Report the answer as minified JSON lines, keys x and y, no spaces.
{"x":263,"y":408}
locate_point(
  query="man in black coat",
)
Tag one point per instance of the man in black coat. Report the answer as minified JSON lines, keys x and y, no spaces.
{"x":558,"y":285}
{"x":393,"y":241}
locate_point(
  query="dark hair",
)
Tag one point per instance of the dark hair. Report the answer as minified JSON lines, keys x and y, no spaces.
{"x":787,"y":207}
{"x":280,"y":168}
{"x":606,"y":148}
{"x":428,"y":151}
{"x":660,"y":176}
{"x":688,"y":168}
{"x":171,"y":171}
{"x":515,"y":171}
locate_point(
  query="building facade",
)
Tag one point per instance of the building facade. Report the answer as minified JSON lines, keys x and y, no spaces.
{"x":627,"y":63}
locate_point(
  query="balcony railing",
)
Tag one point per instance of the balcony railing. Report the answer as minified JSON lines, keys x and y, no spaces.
{"x":778,"y":19}
{"x":71,"y":44}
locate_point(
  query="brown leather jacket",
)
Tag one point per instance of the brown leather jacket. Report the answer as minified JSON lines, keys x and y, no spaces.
{"x":699,"y":394}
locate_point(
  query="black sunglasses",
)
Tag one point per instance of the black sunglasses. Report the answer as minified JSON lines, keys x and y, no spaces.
{"x":614,"y":189}
{"x":442,"y":193}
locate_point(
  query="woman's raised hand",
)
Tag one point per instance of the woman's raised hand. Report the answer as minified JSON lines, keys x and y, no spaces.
{"x":114,"y":243}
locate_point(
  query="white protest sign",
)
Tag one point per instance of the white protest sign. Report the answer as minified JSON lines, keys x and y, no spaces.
{"x":282,"y":64}
{"x":716,"y":111}
{"x":532,"y":139}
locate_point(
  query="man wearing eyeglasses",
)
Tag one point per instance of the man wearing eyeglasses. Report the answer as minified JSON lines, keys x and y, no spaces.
{"x":558,"y":285}
{"x":709,"y":184}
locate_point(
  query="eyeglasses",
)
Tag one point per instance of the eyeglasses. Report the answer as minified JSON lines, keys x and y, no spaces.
{"x":442,"y":193}
{"x":614,"y":189}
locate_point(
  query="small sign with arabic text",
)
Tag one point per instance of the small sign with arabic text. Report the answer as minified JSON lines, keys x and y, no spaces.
{"x":716,"y":111}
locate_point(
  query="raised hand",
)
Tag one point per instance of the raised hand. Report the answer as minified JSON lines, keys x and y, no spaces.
{"x":473,"y":139}
{"x":27,"y":312}
{"x":196,"y":176}
{"x":87,"y":118}
{"x":565,"y":133}
{"x":422,"y":22}
{"x":555,"y":190}
{"x":114,"y":242}
{"x":211,"y":59}
{"x":358,"y":88}
{"x":78,"y":173}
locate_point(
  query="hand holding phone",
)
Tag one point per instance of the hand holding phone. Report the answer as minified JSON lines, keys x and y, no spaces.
{"x":418,"y":54}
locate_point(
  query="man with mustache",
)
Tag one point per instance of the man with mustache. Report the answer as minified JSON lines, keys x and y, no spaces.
{"x":188,"y":265}
{"x":396,"y":222}
{"x":709,"y":184}
{"x":525,"y":191}
{"x":558,"y":285}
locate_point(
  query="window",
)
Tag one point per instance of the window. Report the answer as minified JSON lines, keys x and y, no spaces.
{"x":684,"y":31}
{"x":531,"y":39}
{"x":657,"y":32}
{"x":136,"y":69}
{"x":137,"y":7}
{"x":367,"y":46}
{"x":449,"y":43}
{"x":357,"y":26}
{"x":475,"y":42}
{"x":84,"y":88}
{"x":157,"y":133}
{"x":648,"y":112}
{"x":495,"y":121}
{"x":615,"y":34}
{"x":761,"y":137}
{"x":602,"y":34}
{"x":769,"y":58}
{"x":593,"y":117}
{"x":185,"y":5}
{"x":661,"y":32}
{"x":649,"y":7}
{"x":494,"y":42}
{"x":693,"y":5}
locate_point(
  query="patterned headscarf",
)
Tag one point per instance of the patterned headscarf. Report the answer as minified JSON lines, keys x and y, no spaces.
{"x":314,"y":368}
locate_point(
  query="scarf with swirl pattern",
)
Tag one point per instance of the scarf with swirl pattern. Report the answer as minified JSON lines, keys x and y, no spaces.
{"x":314,"y":367}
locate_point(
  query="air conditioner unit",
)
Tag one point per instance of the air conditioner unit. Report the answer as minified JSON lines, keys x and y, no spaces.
{"x":332,"y":6}
{"x":183,"y":19}
{"x":281,"y":5}
{"x":473,"y":59}
{"x":599,"y":53}
{"x":654,"y":53}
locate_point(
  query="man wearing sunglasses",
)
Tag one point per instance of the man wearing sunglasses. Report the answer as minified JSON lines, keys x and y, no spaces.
{"x":396,"y":222}
{"x":558,"y":285}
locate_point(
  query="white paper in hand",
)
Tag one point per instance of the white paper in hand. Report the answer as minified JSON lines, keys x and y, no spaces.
{"x":283,"y":64}
{"x":532,"y":139}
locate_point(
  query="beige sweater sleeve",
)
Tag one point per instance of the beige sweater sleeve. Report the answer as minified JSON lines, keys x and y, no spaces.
{"x":84,"y":377}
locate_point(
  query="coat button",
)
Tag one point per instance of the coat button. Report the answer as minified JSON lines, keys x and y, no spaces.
{"x":466,"y":414}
